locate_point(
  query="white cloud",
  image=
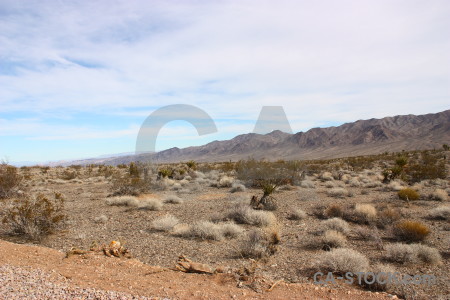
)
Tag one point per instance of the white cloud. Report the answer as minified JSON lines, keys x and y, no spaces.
{"x":325,"y":61}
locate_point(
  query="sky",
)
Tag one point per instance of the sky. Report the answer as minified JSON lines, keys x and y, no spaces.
{"x":79,"y":78}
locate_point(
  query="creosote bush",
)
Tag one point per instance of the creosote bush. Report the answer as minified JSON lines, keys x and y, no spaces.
{"x":408,"y":194}
{"x":37,"y":216}
{"x":410,"y":231}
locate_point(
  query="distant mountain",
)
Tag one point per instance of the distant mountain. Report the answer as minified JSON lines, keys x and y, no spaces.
{"x":363,"y":137}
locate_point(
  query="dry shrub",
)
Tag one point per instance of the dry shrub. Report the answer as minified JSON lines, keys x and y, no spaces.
{"x":410,"y":231}
{"x":427,"y":254}
{"x":336,"y":224}
{"x":165,"y":223}
{"x":150,"y":204}
{"x":387,"y":217}
{"x":440,"y":213}
{"x":101,"y":219}
{"x":37,"y":216}
{"x":173,"y":199}
{"x":338,"y":193}
{"x":334,"y":211}
{"x":260,"y":244}
{"x":404,"y":253}
{"x":408,"y":194}
{"x":129,"y":201}
{"x":307,"y":184}
{"x":440,"y":195}
{"x":297,"y":214}
{"x":365,"y":213}
{"x":231,"y":230}
{"x":343,"y":260}
{"x":10,"y":181}
{"x":382,"y":282}
{"x":206,"y":230}
{"x":326,"y":176}
{"x":126,"y":185}
{"x":226,"y":181}
{"x":400,"y":253}
{"x":237,"y":187}
{"x":333,"y":239}
{"x":243,"y":214}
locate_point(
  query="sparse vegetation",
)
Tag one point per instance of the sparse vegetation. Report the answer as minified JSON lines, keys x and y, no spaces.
{"x":440,"y":213}
{"x":37,"y":216}
{"x":243,"y":214}
{"x":297,"y":214}
{"x":404,"y":253}
{"x":365,"y":213}
{"x":10,"y":181}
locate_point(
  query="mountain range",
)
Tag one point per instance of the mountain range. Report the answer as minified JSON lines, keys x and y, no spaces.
{"x":363,"y":137}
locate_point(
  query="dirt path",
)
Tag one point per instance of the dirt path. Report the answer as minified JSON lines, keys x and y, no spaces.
{"x":135,"y":278}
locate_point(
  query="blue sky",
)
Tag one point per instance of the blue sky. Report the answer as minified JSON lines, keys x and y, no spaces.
{"x":78,"y":78}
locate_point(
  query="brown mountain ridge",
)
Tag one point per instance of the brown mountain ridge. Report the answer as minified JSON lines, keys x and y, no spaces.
{"x":363,"y":137}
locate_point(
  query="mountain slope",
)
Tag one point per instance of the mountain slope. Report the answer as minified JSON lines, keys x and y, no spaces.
{"x":408,"y":132}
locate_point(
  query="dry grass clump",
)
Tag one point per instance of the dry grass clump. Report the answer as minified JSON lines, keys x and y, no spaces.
{"x":326,"y":176}
{"x":382,"y":281}
{"x":165,"y":223}
{"x":404,"y":253}
{"x":343,"y":260}
{"x":237,"y":187}
{"x":410,"y":231}
{"x":35,"y":217}
{"x":440,"y":195}
{"x":150,"y":204}
{"x":336,"y":224}
{"x":260,"y":243}
{"x":226,"y":181}
{"x":173,"y":199}
{"x":231,"y":230}
{"x":395,"y":186}
{"x":130,"y":201}
{"x":440,"y":213}
{"x":206,"y":230}
{"x":400,"y":253}
{"x":427,"y":254}
{"x":332,"y":239}
{"x":334,"y":211}
{"x":101,"y":219}
{"x":307,"y":184}
{"x":297,"y":214}
{"x":408,"y":194}
{"x":338,"y":192}
{"x":243,"y":214}
{"x":365,"y":213}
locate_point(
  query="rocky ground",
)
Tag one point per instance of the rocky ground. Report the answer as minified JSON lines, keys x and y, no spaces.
{"x":92,"y":220}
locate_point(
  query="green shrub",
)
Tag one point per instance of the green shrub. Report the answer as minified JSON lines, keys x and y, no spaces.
{"x":36,"y":217}
{"x":408,"y":194}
